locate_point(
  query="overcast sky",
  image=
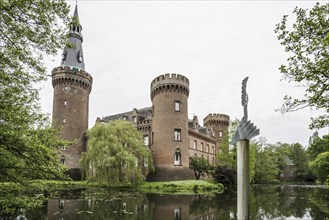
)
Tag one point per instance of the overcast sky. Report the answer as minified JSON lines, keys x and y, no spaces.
{"x":215,"y":44}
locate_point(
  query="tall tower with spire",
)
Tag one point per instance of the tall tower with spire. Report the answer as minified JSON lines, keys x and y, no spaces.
{"x":72,"y":86}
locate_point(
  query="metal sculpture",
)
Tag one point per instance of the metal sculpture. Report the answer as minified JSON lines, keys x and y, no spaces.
{"x":246,"y":130}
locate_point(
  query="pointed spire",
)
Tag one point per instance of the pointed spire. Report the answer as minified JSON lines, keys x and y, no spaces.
{"x":76,"y":11}
{"x":73,"y":54}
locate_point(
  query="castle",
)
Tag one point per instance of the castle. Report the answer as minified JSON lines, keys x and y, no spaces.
{"x":166,"y":129}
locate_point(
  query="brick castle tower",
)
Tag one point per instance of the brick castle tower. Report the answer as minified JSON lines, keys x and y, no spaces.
{"x":219,"y":124}
{"x":72,"y":86}
{"x":169,"y":94}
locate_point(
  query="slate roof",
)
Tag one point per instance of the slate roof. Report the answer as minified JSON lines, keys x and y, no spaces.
{"x":73,"y":54}
{"x":143,"y":114}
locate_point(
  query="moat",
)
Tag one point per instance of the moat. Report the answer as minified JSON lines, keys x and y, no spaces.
{"x":266,"y":202}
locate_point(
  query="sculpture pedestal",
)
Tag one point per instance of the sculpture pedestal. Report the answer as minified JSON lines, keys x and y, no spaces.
{"x":243,"y":180}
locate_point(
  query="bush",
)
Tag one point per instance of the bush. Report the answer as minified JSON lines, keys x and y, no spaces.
{"x":225,"y":175}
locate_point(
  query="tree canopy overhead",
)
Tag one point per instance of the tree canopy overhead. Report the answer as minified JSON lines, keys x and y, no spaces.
{"x":116,"y":154}
{"x":307,"y":43}
{"x":28,"y":30}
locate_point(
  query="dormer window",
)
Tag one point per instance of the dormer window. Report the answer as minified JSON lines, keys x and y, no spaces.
{"x":64,"y":55}
{"x":80,"y":56}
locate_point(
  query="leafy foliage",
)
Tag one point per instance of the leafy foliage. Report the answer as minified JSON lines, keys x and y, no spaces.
{"x":225,"y":175}
{"x":266,"y":166}
{"x":321,"y":166}
{"x":319,"y":145}
{"x":308,"y":43}
{"x":200,"y":166}
{"x":227,"y":155}
{"x":299,"y":157}
{"x":28,"y":30}
{"x":116,"y":154}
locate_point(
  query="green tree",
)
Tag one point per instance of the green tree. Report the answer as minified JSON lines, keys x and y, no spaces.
{"x":319,"y":145}
{"x":266,"y":166}
{"x":116,"y":153}
{"x":308,"y":65}
{"x":299,"y":157}
{"x":28,"y":30}
{"x":225,"y":175}
{"x":200,"y":166}
{"x":227,"y":155}
{"x":320,"y":166}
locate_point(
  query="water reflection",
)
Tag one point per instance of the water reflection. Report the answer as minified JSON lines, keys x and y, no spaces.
{"x":266,"y":202}
{"x":106,"y":204}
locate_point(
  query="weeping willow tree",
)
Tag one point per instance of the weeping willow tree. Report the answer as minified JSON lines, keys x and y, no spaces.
{"x":116,"y":154}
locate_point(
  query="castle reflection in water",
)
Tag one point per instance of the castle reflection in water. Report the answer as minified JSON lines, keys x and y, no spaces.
{"x":123,"y":205}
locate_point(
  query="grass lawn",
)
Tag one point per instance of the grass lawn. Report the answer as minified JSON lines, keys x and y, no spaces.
{"x":168,"y":187}
{"x":181,"y":187}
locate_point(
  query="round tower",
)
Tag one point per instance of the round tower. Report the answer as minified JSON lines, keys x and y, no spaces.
{"x":219,"y":124}
{"x":72,"y":86}
{"x":169,"y":94}
{"x":71,"y":101}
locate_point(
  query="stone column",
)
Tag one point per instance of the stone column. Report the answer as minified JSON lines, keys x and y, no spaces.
{"x":243,"y":180}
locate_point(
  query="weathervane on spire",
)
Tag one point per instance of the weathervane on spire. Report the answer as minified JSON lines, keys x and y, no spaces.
{"x":246,"y":129}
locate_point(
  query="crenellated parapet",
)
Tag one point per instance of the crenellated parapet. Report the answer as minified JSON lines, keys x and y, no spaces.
{"x":71,"y":76}
{"x":170,"y":83}
{"x":216,"y":119}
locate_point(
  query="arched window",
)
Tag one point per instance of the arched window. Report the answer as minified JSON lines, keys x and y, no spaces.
{"x":178,"y":157}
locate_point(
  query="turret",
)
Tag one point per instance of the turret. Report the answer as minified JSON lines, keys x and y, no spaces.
{"x":169,"y":95}
{"x":72,"y":86}
{"x":219,"y":124}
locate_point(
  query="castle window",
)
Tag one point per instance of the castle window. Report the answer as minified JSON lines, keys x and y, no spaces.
{"x":64,"y":55}
{"x":177,"y":215}
{"x":195,"y":145}
{"x":177,"y":134}
{"x":65,"y":102}
{"x":66,"y":88}
{"x":201,"y":146}
{"x":177,"y":106}
{"x":207,"y":148}
{"x":61,"y":204}
{"x":134,"y":119}
{"x":146,"y":140}
{"x":213,"y":149}
{"x":213,"y":161}
{"x":125,"y":118}
{"x":64,"y":120}
{"x":177,"y":159}
{"x":62,"y":160}
{"x":80,"y":56}
{"x":220,"y":134}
